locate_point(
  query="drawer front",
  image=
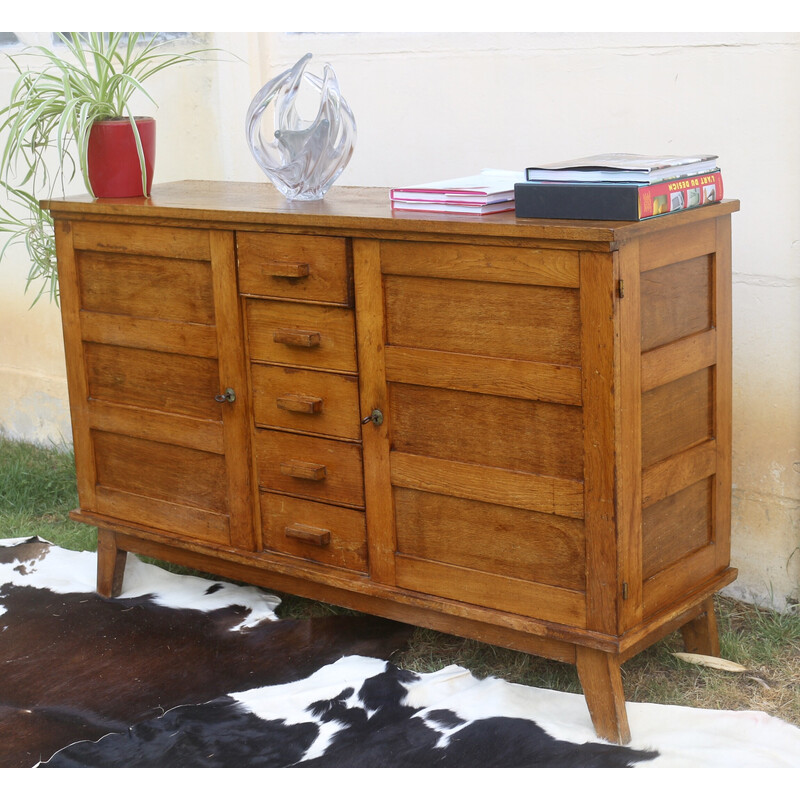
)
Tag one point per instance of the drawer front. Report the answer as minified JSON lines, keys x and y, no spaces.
{"x":302,"y":335}
{"x":299,"y":267}
{"x":307,"y":466}
{"x":315,"y":531}
{"x":322,"y":403}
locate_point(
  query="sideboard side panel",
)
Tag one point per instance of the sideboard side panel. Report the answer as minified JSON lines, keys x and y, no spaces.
{"x":77,"y":379}
{"x":686,"y":410}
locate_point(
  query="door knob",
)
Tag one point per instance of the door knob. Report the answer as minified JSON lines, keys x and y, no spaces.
{"x":228,"y":397}
{"x":376,"y":417}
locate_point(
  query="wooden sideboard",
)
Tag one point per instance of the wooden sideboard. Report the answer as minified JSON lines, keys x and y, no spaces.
{"x":514,"y":430}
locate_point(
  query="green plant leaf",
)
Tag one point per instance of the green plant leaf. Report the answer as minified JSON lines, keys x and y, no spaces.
{"x":58,"y":94}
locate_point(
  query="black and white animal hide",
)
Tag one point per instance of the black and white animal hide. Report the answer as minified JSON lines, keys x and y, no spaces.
{"x":344,"y":706}
{"x":74,"y":665}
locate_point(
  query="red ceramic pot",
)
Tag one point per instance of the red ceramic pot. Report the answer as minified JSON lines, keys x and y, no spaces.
{"x":114,"y":169}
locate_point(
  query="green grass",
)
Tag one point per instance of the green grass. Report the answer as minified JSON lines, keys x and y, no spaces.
{"x":37,"y":492}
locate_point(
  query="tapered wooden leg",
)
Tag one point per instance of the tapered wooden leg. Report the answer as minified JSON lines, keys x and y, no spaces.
{"x":601,"y":679}
{"x":701,"y":634}
{"x":110,"y":564}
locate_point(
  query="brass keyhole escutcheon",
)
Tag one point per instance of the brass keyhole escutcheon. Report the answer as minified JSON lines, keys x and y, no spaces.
{"x":376,"y":417}
{"x":228,"y":397}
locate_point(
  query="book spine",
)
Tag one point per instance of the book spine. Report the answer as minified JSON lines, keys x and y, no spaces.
{"x":680,"y":194}
{"x":617,"y":201}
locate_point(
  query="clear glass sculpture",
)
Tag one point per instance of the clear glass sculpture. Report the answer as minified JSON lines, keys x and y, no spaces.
{"x":305,"y":157}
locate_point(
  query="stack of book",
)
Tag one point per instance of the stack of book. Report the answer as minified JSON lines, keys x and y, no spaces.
{"x":489,"y":192}
{"x":618,"y":186}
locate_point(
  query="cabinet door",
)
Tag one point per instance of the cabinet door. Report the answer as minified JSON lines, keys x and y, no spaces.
{"x":153,"y":344}
{"x":474,"y":478}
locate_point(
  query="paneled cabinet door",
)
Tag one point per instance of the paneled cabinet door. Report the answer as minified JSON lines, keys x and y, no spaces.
{"x":156,"y":378}
{"x":473,"y":355}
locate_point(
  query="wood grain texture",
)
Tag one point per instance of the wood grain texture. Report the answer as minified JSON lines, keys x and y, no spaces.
{"x":601,"y":680}
{"x":187,"y":523}
{"x":490,"y":264}
{"x":341,"y":482}
{"x":677,"y":416}
{"x":680,"y":243}
{"x":164,"y":336}
{"x":346,"y":544}
{"x":110,"y":564}
{"x":677,"y":472}
{"x":232,"y":374}
{"x":678,"y":579}
{"x":195,"y":434}
{"x":599,"y":371}
{"x":678,"y":359}
{"x":498,"y":539}
{"x":676,"y":301}
{"x":269,"y":266}
{"x":723,"y":398}
{"x":470,"y":373}
{"x":168,"y":382}
{"x":142,"y":240}
{"x":162,"y":471}
{"x":77,"y":369}
{"x":478,"y":587}
{"x":336,"y":414}
{"x":509,"y":433}
{"x":680,"y":523}
{"x":558,"y":496}
{"x":373,"y":393}
{"x":701,"y":635}
{"x":628,"y":448}
{"x":333,"y":348}
{"x":147,"y":287}
{"x":531,"y":323}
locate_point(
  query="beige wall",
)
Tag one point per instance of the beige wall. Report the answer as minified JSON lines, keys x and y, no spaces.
{"x":436,"y":105}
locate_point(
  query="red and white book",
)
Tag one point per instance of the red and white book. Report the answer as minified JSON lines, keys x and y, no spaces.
{"x":489,"y":187}
{"x":453,"y":208}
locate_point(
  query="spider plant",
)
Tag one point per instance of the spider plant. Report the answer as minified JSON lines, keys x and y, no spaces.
{"x":58,"y":95}
{"x":31,"y":226}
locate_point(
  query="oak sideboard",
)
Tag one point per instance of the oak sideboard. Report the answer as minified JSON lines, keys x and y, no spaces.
{"x":513,"y":430}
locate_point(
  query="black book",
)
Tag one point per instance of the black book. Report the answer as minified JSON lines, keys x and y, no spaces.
{"x":615,"y":201}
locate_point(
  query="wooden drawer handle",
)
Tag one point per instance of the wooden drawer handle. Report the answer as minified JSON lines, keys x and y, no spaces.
{"x":300,"y":403}
{"x":297,"y":338}
{"x":305,"y":533}
{"x":305,"y":470}
{"x":286,"y":269}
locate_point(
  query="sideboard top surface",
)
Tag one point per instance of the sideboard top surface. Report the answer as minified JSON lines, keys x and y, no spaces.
{"x":354,"y":209}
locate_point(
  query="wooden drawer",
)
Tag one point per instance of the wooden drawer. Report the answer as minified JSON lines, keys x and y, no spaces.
{"x":303,"y":400}
{"x":301,"y":334}
{"x":328,"y":534}
{"x":300,"y":267}
{"x":307,"y":466}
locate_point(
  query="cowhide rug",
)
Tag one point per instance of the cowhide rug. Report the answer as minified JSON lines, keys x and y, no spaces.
{"x":184,"y":672}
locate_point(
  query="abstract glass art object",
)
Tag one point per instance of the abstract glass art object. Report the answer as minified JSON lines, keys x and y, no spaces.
{"x":306,"y":156}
